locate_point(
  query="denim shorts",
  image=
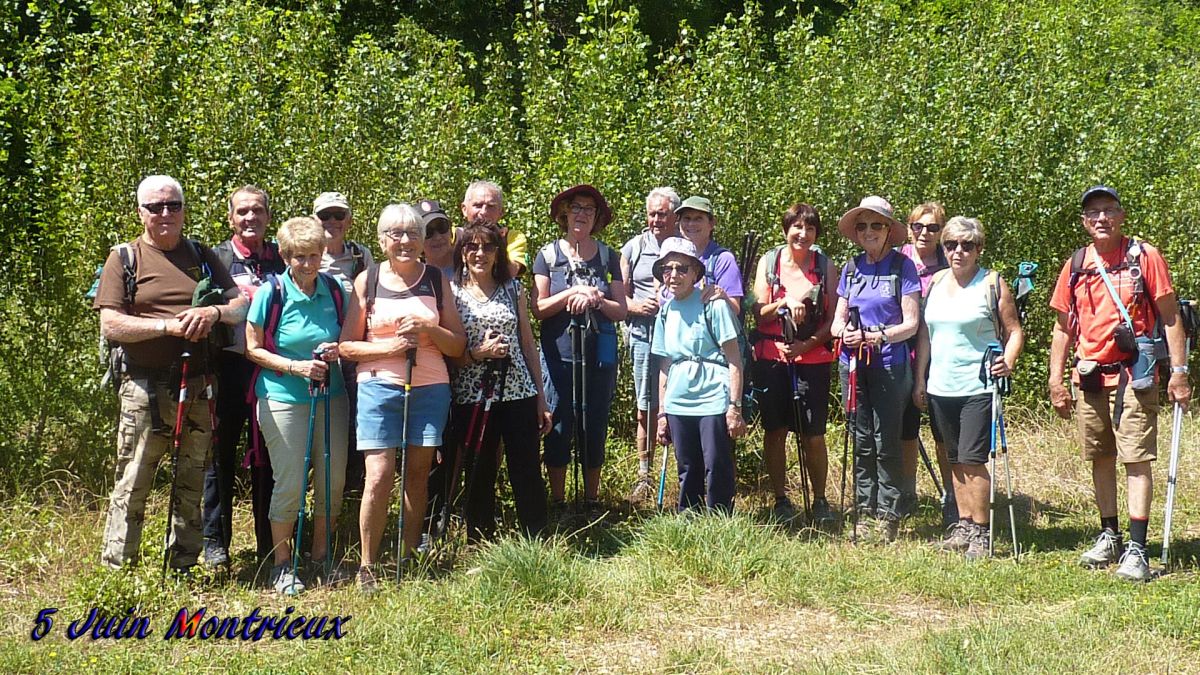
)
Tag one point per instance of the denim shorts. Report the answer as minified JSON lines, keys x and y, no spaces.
{"x":381,"y":414}
{"x":642,"y":378}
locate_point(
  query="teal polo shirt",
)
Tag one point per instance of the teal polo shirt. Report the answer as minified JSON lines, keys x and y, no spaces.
{"x":304,"y":323}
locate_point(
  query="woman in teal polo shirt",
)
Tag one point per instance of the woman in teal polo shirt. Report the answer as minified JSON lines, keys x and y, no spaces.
{"x":309,"y":318}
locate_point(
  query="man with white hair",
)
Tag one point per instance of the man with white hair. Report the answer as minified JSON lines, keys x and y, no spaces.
{"x":146,"y":304}
{"x":484,"y":201}
{"x":637,"y":264}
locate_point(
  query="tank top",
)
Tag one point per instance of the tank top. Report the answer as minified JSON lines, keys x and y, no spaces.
{"x":391,"y":306}
{"x":960,"y":328}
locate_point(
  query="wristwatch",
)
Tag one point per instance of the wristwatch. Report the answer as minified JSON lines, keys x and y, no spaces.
{"x":883,"y":336}
{"x":161,"y":326}
{"x":1179,"y":370}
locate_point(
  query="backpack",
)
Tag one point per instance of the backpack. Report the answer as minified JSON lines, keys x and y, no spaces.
{"x":434,"y":278}
{"x":1132,"y":262}
{"x":819,"y":264}
{"x":112,"y":357}
{"x":254,"y":454}
{"x":992,"y":279}
{"x":356,"y":251}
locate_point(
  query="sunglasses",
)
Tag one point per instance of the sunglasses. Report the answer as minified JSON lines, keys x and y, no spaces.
{"x":676,"y":268}
{"x":333,"y":214}
{"x":157,"y":207}
{"x":932,"y":228}
{"x":876,"y":226}
{"x":488,"y":248}
{"x":965,"y":246}
{"x":437,"y":227}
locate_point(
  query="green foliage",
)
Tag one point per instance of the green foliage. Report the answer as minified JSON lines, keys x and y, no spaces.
{"x":1002,"y":110}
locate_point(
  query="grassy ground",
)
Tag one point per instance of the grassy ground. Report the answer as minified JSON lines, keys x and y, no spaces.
{"x":645,"y":593}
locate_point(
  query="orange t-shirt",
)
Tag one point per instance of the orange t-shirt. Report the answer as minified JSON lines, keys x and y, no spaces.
{"x":1098,"y":315}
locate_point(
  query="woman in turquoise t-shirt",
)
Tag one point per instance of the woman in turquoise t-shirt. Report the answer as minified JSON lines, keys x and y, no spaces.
{"x":309,"y":321}
{"x":700,"y":380}
{"x":966,"y":309}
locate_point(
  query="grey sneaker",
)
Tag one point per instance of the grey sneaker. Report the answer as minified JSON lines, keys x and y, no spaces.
{"x":977,"y":542}
{"x":864,"y":529}
{"x":889,"y":529}
{"x":784,"y":512}
{"x":368,"y":584}
{"x":1106,"y":550}
{"x":1133,"y":563}
{"x":285,"y":582}
{"x":215,"y":555}
{"x":958,"y":536}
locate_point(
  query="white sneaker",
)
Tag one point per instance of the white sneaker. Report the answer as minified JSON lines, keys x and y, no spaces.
{"x":286,"y":583}
{"x":1133,"y":563}
{"x":1106,"y":550}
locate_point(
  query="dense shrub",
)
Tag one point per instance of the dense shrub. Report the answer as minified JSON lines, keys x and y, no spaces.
{"x":1002,"y":110}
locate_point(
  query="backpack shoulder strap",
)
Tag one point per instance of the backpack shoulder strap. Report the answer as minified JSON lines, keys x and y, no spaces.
{"x":637,"y":248}
{"x":338,"y":293}
{"x":993,"y":301}
{"x":356,"y":252}
{"x":274,"y":311}
{"x":372,"y":287}
{"x":435,"y":280}
{"x":225,"y":254}
{"x":773,"y":267}
{"x":128,"y":272}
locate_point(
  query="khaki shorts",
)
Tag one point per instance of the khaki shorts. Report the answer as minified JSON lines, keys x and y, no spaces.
{"x":1137,"y":438}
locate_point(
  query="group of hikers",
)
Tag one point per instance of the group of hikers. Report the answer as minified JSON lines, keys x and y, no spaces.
{"x":425,"y":364}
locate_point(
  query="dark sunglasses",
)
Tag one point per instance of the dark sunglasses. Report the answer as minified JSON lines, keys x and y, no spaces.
{"x":932,"y":228}
{"x":966,"y":246}
{"x":676,"y":268}
{"x":157,"y":207}
{"x":333,"y":214}
{"x":474,"y":246}
{"x":437,"y":227}
{"x":862,"y":227}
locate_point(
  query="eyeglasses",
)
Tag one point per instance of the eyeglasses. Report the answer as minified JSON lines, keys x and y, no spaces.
{"x":966,"y":246}
{"x":1094,"y":214}
{"x":157,"y":207}
{"x":577,"y":209}
{"x":333,"y":214}
{"x":676,"y":268}
{"x":437,"y":227}
{"x":488,"y":248}
{"x":397,"y":235}
{"x":931,"y":228}
{"x":876,"y":226}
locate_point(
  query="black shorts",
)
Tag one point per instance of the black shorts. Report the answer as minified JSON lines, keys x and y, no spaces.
{"x":965,"y":423}
{"x":773,"y":391}
{"x":910,"y":424}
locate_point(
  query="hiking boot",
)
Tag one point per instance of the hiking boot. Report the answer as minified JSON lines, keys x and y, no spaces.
{"x":215,"y":555}
{"x":285,"y":582}
{"x":425,"y":545}
{"x":822,"y":515}
{"x":1106,"y":550}
{"x":783,"y":511}
{"x":368,"y":584}
{"x":958,"y":536}
{"x":1134,"y":566}
{"x":977,"y":542}
{"x":889,"y":529}
{"x":643,"y":490}
{"x":334,"y":577}
{"x":864,"y":528}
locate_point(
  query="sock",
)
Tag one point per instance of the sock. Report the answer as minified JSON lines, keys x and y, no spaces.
{"x":1111,"y":523}
{"x":1137,"y":530}
{"x":643,"y":466}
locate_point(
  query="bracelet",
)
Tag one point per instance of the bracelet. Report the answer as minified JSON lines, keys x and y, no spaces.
{"x":218,"y":308}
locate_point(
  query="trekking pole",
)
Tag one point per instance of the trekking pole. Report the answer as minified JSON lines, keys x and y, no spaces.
{"x":789,"y":336}
{"x":411,"y":357}
{"x":314,"y":391}
{"x":328,"y":489}
{"x":487,"y":397}
{"x":998,"y":446}
{"x":1188,"y":316}
{"x":176,"y":444}
{"x":576,"y":401}
{"x":855,"y":319}
{"x":467,"y":444}
{"x":929,"y":467}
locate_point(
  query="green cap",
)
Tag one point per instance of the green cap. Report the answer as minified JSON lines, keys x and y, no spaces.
{"x":696,"y":202}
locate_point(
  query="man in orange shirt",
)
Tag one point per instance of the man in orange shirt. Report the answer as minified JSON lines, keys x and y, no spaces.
{"x":1117,"y":406}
